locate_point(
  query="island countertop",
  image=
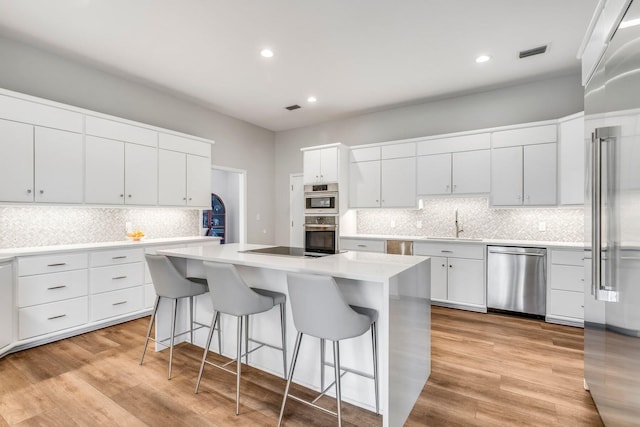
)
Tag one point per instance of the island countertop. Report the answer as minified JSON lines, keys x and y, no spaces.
{"x":347,"y":265}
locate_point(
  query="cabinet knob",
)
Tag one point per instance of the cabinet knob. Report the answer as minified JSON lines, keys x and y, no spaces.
{"x":41,"y":191}
{"x":122,"y":195}
{"x":447,"y":187}
{"x":129,"y":196}
{"x":454,"y":187}
{"x":450,"y":266}
{"x":190,"y":198}
{"x":28,"y":191}
{"x":443,"y":265}
{"x":376,"y":200}
{"x":184,"y":198}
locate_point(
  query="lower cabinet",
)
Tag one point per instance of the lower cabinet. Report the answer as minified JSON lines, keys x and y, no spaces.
{"x":6,"y":304}
{"x":362,"y":245}
{"x":565,"y":290}
{"x":457,"y":273}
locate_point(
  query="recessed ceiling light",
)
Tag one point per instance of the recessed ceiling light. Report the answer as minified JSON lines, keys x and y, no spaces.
{"x":482,"y":58}
{"x":312,"y":99}
{"x":267,"y":53}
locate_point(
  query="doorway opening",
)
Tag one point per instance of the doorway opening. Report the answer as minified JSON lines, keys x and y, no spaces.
{"x":230,"y":185}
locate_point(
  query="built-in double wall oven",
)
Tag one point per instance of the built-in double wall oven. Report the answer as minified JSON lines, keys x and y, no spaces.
{"x":321,"y":199}
{"x":321,"y":219}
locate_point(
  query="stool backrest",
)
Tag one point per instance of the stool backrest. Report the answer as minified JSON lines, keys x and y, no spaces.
{"x":230,"y":294}
{"x":319,"y":309}
{"x":168,"y":282}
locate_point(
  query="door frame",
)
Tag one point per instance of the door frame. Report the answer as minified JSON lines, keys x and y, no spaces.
{"x":291,"y":199}
{"x":242,"y":200}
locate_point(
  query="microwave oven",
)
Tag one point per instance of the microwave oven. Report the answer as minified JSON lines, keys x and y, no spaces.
{"x":321,"y":199}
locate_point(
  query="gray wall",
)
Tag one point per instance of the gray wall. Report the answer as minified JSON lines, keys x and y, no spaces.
{"x":541,"y":100}
{"x":238,"y":145}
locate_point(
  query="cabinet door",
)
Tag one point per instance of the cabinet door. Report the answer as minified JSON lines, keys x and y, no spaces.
{"x":329,"y":164}
{"x":572,"y":172}
{"x":104,"y":165}
{"x":16,"y":162}
{"x":540,"y":174}
{"x":434,"y":174}
{"x":439,"y":269}
{"x":141,"y":174}
{"x":311,"y":166}
{"x":506,"y":176}
{"x":466,"y":281}
{"x":6,"y":305}
{"x":59,"y":166}
{"x":198,"y":181}
{"x":398,"y":183}
{"x":471,"y":172}
{"x":172,"y":178}
{"x":364,"y":185}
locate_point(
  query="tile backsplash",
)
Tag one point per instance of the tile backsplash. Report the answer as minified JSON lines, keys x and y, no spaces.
{"x":59,"y":225}
{"x":477,"y":220}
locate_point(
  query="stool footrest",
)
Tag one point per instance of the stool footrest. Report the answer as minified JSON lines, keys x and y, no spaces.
{"x":335,"y":414}
{"x":326,"y":389}
{"x":352,"y":371}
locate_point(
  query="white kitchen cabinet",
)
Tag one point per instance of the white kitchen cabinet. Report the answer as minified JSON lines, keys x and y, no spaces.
{"x":364,"y":184}
{"x":457,"y":273}
{"x":398,"y":183}
{"x":540,"y":166}
{"x":183,"y":179}
{"x":524,"y":175}
{"x":6,"y":304}
{"x":198,"y":181}
{"x":104,"y":164}
{"x":566,"y":287}
{"x":16,"y":162}
{"x":320,"y":165}
{"x":141,"y":174}
{"x":571,"y":161}
{"x":434,"y":174}
{"x":362,"y":245}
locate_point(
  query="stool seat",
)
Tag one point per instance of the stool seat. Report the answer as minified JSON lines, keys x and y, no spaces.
{"x":371,"y":313}
{"x":278,"y":297}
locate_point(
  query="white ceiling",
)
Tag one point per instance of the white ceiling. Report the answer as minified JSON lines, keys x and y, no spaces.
{"x":353,"y":55}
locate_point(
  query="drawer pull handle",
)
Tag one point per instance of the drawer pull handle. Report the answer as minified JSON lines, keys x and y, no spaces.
{"x":56,"y":287}
{"x":119,"y":303}
{"x":119,"y":257}
{"x":362,"y":246}
{"x":447,"y":252}
{"x":58,"y":264}
{"x":119,"y":277}
{"x":57,"y":317}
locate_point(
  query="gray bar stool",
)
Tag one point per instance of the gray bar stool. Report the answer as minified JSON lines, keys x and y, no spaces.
{"x":234,"y":297}
{"x":169,"y":283}
{"x":320,"y":310}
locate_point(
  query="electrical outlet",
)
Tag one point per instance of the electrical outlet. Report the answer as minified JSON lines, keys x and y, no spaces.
{"x":393,"y":224}
{"x":418,"y":224}
{"x":542,"y":226}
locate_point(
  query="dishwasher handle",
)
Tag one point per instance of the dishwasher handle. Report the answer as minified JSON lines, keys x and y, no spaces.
{"x":517,"y":253}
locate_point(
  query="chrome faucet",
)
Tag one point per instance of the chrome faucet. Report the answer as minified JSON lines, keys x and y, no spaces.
{"x":458,"y":226}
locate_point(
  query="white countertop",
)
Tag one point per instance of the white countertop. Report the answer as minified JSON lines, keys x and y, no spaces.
{"x":7,"y":254}
{"x":349,"y":265}
{"x":504,"y":242}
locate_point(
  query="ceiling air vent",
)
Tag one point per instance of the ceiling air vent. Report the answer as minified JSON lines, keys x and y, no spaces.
{"x":292,"y":107}
{"x":534,"y":51}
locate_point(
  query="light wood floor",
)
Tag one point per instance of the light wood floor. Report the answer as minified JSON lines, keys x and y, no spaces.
{"x":487,"y":370}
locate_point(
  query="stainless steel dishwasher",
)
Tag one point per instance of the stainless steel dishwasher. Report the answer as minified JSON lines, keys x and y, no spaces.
{"x":517,"y":279}
{"x":399,"y":247}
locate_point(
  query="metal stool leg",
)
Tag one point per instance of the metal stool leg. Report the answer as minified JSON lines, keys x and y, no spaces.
{"x":239,"y":363}
{"x":336,"y":363}
{"x":322,"y":363}
{"x":296,"y":348}
{"x":173,"y":333}
{"x":246,"y":339}
{"x":191,"y":319}
{"x":206,"y":348}
{"x":374,"y":344}
{"x":153,"y":318}
{"x":283,"y":328}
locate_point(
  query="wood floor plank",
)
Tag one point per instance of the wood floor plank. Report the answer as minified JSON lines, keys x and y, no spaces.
{"x":487,"y":370}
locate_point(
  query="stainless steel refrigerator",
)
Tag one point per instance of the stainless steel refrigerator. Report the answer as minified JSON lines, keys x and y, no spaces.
{"x":612,"y":219}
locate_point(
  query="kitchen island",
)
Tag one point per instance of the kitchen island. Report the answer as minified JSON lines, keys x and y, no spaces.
{"x":397,"y":286}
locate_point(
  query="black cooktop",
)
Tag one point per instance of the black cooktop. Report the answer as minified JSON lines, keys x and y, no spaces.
{"x":279,"y":250}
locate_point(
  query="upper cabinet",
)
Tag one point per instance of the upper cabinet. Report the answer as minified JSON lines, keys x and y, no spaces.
{"x":455,"y":165}
{"x":383,"y":176}
{"x":321,"y":165}
{"x":52,"y":153}
{"x":524,"y":166}
{"x":571,"y":160}
{"x":184,"y":171}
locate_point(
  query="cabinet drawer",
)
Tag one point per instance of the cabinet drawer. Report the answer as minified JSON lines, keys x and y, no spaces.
{"x":568,"y":257}
{"x":449,"y":249}
{"x":45,"y":288}
{"x":118,"y":256}
{"x":567,"y":277}
{"x":104,"y":279}
{"x":566,"y":303}
{"x":55,"y":316}
{"x":362,"y":245}
{"x":149,"y":296}
{"x":51,"y":263}
{"x":116,"y":303}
